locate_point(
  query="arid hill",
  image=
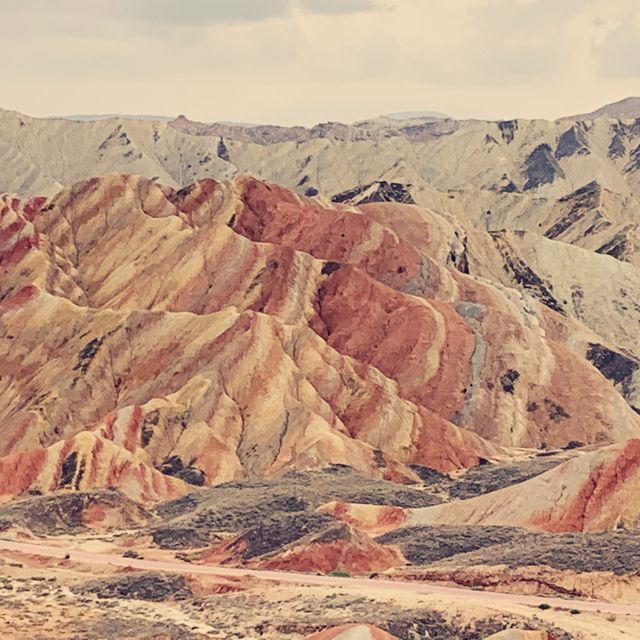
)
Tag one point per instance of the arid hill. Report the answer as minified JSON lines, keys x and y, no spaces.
{"x":235,"y":330}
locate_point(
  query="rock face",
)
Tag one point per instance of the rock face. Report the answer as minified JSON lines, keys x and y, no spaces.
{"x":156,"y":339}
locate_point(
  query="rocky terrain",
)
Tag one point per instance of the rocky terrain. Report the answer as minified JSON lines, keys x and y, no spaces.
{"x":68,"y":599}
{"x":417,"y":374}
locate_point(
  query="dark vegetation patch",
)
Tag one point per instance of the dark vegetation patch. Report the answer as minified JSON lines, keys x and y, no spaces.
{"x":173,"y":466}
{"x":146,"y":432}
{"x":615,"y":551}
{"x":523,"y":275}
{"x":508,"y":380}
{"x":68,"y":469}
{"x":181,"y":194}
{"x":424,"y":545}
{"x":273,"y":533}
{"x":509,"y":187}
{"x":329,"y":267}
{"x":575,"y":214}
{"x":87,"y":354}
{"x":572,"y":142}
{"x":183,"y":536}
{"x":487,"y":478}
{"x":555,"y":411}
{"x":333,"y":533}
{"x":634,"y":161}
{"x":223,"y":152}
{"x":429,"y":475}
{"x":284,"y":510}
{"x":63,"y":512}
{"x":260,"y":508}
{"x":617,"y":147}
{"x":314,"y":614}
{"x":153,"y":586}
{"x":588,"y":194}
{"x":616,"y":246}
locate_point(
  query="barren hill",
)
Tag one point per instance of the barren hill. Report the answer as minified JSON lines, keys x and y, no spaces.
{"x":625,"y":109}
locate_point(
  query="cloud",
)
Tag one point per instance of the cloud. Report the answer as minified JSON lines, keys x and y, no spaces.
{"x":336,"y":7}
{"x":201,"y":12}
{"x":618,"y":56}
{"x":204,"y":12}
{"x":303,"y":61}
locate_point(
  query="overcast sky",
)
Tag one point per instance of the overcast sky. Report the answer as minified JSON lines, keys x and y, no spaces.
{"x":307,"y":61}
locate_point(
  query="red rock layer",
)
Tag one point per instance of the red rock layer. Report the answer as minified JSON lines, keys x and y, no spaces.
{"x":85,"y":462}
{"x":340,"y":548}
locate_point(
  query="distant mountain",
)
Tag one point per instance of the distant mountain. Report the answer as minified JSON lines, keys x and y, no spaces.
{"x":625,"y":109}
{"x":111,"y":116}
{"x":410,"y":115}
{"x":502,"y":160}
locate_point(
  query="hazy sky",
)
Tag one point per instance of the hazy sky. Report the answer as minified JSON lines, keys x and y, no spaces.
{"x":306,"y":61}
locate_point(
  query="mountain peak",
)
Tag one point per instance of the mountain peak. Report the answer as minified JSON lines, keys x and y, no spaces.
{"x":625,"y":109}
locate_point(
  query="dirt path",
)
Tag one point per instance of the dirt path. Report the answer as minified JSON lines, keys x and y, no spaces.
{"x":361,"y":584}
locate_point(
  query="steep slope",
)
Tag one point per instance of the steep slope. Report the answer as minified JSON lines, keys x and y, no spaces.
{"x":40,"y":155}
{"x":592,"y":216}
{"x":402,"y":325}
{"x":573,"y":283}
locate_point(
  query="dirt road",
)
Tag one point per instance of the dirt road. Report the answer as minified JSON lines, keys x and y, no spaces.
{"x":360,"y":584}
